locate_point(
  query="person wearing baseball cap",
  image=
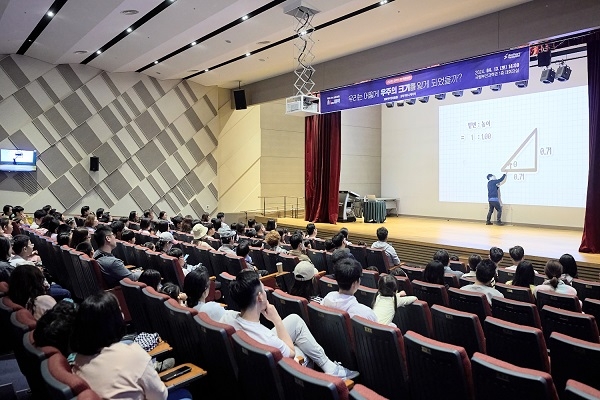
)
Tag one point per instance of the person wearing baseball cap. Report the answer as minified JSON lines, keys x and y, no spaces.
{"x":165,"y":242}
{"x":227,"y":239}
{"x":305,"y":282}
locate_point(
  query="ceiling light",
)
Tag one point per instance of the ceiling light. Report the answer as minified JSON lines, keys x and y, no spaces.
{"x":563,"y":73}
{"x":80,"y":52}
{"x":50,"y":14}
{"x":457,"y":93}
{"x":440,"y":96}
{"x":155,"y":62}
{"x":129,"y":30}
{"x":193,"y":43}
{"x":424,"y":99}
{"x":206,"y":70}
{"x":245,"y":17}
{"x":496,"y":87}
{"x":382,"y":2}
{"x":129,"y":12}
{"x":410,"y":102}
{"x":547,"y":75}
{"x":99,"y":52}
{"x":522,"y":84}
{"x":476,"y":90}
{"x":400,"y":103}
{"x":247,"y":54}
{"x":389,"y":105}
{"x":302,"y":33}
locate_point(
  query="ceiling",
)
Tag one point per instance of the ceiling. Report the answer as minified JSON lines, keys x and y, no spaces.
{"x":88,"y":25}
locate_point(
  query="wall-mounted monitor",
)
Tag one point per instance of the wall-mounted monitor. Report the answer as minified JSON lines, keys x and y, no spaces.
{"x":18,"y":160}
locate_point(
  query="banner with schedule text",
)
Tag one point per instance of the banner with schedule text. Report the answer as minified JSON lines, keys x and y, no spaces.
{"x":492,"y":69}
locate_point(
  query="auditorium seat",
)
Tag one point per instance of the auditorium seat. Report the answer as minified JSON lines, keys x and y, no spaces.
{"x":171,"y":270}
{"x":32,"y":362}
{"x":563,"y":301}
{"x":61,"y":383}
{"x":365,"y":295}
{"x":579,"y":391}
{"x":361,"y":392}
{"x":575,"y":324}
{"x":586,"y":289}
{"x":430,"y":292}
{"x":327,"y":285}
{"x":270,"y":259}
{"x":317,"y":257}
{"x":218,"y":261}
{"x":471,"y":302}
{"x":574,"y":358}
{"x":404,"y":284}
{"x":132,"y":291}
{"x":235,"y":264}
{"x":302,"y":383}
{"x":413,"y":273}
{"x":458,"y":328}
{"x":369,"y":278}
{"x":515,"y":292}
{"x":517,"y":312}
{"x":414,"y":317}
{"x":592,"y":307}
{"x":360,"y":254}
{"x":451,"y":280}
{"x":505,"y":275}
{"x":287,"y":304}
{"x":153,"y":303}
{"x":378,"y":258}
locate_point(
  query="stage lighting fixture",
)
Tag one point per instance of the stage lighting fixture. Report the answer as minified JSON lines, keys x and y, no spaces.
{"x":496,"y":87}
{"x":389,"y":105}
{"x":400,"y":103}
{"x":410,"y":102}
{"x":424,"y":99}
{"x":547,"y":75}
{"x":457,"y":93}
{"x":522,"y":84}
{"x":476,"y":90}
{"x":563,"y":73}
{"x":440,"y":96}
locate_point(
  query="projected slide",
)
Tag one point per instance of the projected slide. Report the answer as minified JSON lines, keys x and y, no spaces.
{"x":539,"y":140}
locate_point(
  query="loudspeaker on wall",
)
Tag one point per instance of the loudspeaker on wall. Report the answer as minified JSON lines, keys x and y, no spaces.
{"x":239,"y":98}
{"x":94,"y":163}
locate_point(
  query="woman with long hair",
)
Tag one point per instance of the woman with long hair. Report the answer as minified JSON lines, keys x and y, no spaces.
{"x":569,"y":268}
{"x":553,"y":283}
{"x":196,"y":286}
{"x":28,"y":288}
{"x":524,"y":276}
{"x":434,"y":273}
{"x":389,"y":298}
{"x":79,"y":235}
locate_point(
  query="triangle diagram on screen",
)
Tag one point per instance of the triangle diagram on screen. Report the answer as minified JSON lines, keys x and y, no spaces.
{"x":524,"y":159}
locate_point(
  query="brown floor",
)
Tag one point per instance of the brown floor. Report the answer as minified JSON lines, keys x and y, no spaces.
{"x":418,"y":237}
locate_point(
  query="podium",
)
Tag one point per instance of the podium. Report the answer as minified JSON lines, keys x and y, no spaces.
{"x":346,"y":200}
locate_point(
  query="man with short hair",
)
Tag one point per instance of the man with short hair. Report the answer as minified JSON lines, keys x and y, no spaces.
{"x":311,"y":231}
{"x":496,"y":255}
{"x":474,"y":260}
{"x":381,"y":243}
{"x":85,"y":210}
{"x":112,"y":268}
{"x":443,"y":257}
{"x":484,"y":279}
{"x":7,"y":210}
{"x":227,"y":239}
{"x":516,"y":253}
{"x":298,"y":247}
{"x":221,"y":217}
{"x":290,"y":335}
{"x":347,"y":274}
{"x":260,"y":230}
{"x":38,"y":216}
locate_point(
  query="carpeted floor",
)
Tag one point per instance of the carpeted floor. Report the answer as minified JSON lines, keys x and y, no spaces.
{"x":10,"y":373}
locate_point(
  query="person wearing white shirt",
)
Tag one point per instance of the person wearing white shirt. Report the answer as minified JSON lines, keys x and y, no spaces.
{"x":486,"y":271}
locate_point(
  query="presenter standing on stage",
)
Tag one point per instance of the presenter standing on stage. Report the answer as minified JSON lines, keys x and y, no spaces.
{"x":494,"y":198}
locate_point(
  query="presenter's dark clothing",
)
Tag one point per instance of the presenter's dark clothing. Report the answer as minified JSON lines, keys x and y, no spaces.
{"x":494,"y":198}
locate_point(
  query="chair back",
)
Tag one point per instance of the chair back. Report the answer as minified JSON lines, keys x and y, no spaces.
{"x":496,"y":379}
{"x":505,"y":275}
{"x":523,"y":346}
{"x":287,"y":304}
{"x":31,"y":365}
{"x":381,"y":358}
{"x":574,"y":358}
{"x":302,"y":383}
{"x":592,"y":307}
{"x":172,"y":270}
{"x":332,"y":330}
{"x":288,"y":264}
{"x":515,"y":292}
{"x":457,"y":266}
{"x":317,"y":257}
{"x":464,"y":281}
{"x":235,"y":263}
{"x":360,"y":253}
{"x":327,"y":285}
{"x":218,"y":261}
{"x":437,"y":370}
{"x":61,"y":383}
{"x":575,"y":324}
{"x":430,"y":292}
{"x":270,"y":258}
{"x":458,"y":328}
{"x":451,"y":280}
{"x":378,"y":258}
{"x":586,"y":289}
{"x":517,"y":312}
{"x":153,"y":303}
{"x":413,"y":273}
{"x":225,"y":279}
{"x":579,"y":391}
{"x":361,"y":392}
{"x":366,"y":295}
{"x":183,"y":329}
{"x":414,"y":317}
{"x":258,"y":375}
{"x":319,"y":244}
{"x":404,"y":284}
{"x":369,"y":278}
{"x":132,"y":292}
{"x":564,"y":301}
{"x":471,"y":302}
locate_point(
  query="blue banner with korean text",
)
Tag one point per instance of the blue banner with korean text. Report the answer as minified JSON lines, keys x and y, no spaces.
{"x":492,"y":69}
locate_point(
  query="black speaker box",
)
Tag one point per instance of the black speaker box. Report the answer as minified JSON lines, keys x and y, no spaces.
{"x":94,"y":163}
{"x":544,"y":58}
{"x":239,"y":98}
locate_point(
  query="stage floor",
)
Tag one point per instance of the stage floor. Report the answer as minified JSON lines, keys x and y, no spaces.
{"x":464,"y":237}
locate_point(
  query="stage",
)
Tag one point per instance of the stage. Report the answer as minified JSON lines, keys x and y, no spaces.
{"x":417,"y":238}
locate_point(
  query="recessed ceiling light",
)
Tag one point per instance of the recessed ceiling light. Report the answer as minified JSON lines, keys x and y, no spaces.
{"x":129,"y":30}
{"x":261,"y":59}
{"x":50,"y":14}
{"x":80,"y":52}
{"x":247,"y":54}
{"x":155,"y":62}
{"x":99,"y":52}
{"x":227,"y":41}
{"x":264,"y":42}
{"x":245,"y":17}
{"x":129,"y":12}
{"x":193,"y":43}
{"x":206,"y":70}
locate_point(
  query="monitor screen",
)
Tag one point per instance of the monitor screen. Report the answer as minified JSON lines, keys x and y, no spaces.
{"x":18,"y":160}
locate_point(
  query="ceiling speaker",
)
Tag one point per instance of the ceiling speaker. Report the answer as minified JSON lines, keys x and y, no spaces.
{"x":239,"y":98}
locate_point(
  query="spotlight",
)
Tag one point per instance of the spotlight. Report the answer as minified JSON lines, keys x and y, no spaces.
{"x":440,"y":96}
{"x":477,"y":90}
{"x":389,"y":105}
{"x":563,"y":73}
{"x":521,"y":84}
{"x":410,"y":102}
{"x":457,"y":93}
{"x":400,"y":103}
{"x":547,"y":75}
{"x":496,"y":87}
{"x":424,"y":99}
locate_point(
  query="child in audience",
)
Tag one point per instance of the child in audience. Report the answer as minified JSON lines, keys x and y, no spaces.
{"x":388,"y":299}
{"x":474,"y":259}
{"x":173,"y":291}
{"x":152,"y":278}
{"x":569,"y":268}
{"x":524,"y":276}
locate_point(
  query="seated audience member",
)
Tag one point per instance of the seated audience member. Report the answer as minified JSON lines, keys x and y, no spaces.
{"x":273,"y":238}
{"x":311,"y":231}
{"x":243,"y":250}
{"x":290,"y":336}
{"x":524,"y":276}
{"x":5,"y":252}
{"x":496,"y":255}
{"x":165,"y":242}
{"x":152,"y":278}
{"x":484,"y":279}
{"x":251,"y":223}
{"x":117,"y":228}
{"x":176,"y":222}
{"x":553,"y":283}
{"x":227,"y":240}
{"x":63,"y":239}
{"x":200,"y":233}
{"x":271,"y":225}
{"x":79,"y":235}
{"x":394,"y":272}
{"x":128,"y":236}
{"x":85,"y":210}
{"x":260,"y":231}
{"x":133,"y":218}
{"x":145,"y":226}
{"x":434,"y":273}
{"x":38,"y":216}
{"x":96,"y":339}
{"x":173,"y":291}
{"x":6,"y":227}
{"x":240,"y":229}
{"x":91,"y":222}
{"x":329,"y":245}
{"x":569,"y":266}
{"x":186,"y":224}
{"x":305,"y":282}
{"x":20,"y":216}
{"x":86,"y":248}
{"x":7,"y":211}
{"x":347,"y":274}
{"x":221,"y":218}
{"x":443,"y":257}
{"x":389,"y":298}
{"x":28,"y":288}
{"x":149,"y":245}
{"x":112,"y":268}
{"x":381,"y":243}
{"x":178,"y":254}
{"x":161,"y":226}
{"x":197,"y":286}
{"x":339,"y":241}
{"x":345,"y":233}
{"x":55,"y":326}
{"x":298,"y":249}
{"x":205,"y":217}
{"x":474,"y":260}
{"x":516,"y":254}
{"x":99,"y":212}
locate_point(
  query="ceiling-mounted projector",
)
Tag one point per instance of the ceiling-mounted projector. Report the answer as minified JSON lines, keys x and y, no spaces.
{"x":302,"y":105}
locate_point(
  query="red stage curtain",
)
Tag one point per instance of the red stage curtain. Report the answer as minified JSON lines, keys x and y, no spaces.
{"x":322,"y":166}
{"x":590,"y":242}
